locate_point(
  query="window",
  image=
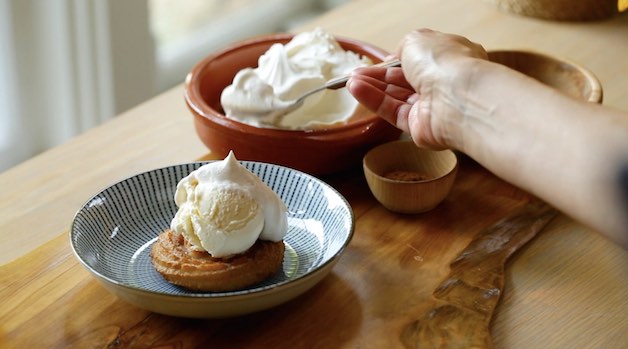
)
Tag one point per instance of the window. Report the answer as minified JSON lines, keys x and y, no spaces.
{"x":185,"y":34}
{"x":87,"y":61}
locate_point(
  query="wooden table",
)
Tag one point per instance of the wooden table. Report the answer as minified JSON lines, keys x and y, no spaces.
{"x":567,"y":288}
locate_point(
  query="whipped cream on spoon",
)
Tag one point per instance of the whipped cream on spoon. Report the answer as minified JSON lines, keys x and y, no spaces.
{"x":269,"y":95}
{"x":286,"y":107}
{"x":270,"y":109}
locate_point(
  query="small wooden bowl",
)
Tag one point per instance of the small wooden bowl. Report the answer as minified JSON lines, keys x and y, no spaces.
{"x":561,"y":10}
{"x":383,"y":163}
{"x":563,"y":75}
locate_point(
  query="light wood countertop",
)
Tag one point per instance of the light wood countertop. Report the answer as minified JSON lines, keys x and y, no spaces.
{"x":567,"y":288}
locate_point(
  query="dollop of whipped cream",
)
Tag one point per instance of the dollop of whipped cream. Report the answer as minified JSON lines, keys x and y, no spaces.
{"x":284,"y":73}
{"x":224,"y":208}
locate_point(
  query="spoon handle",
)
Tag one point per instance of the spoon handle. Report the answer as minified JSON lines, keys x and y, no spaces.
{"x":341,"y":81}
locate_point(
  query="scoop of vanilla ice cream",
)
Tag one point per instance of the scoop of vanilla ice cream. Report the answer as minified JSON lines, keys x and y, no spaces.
{"x":224,"y":209}
{"x":284,"y":73}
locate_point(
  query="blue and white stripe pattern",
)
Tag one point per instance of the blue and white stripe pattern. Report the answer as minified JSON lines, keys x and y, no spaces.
{"x":113,"y":232}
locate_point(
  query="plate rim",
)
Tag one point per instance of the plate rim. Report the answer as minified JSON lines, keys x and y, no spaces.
{"x":215,"y":296}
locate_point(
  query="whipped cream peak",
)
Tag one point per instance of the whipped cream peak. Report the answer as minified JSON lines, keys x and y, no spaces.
{"x":286,"y":72}
{"x":223,"y":209}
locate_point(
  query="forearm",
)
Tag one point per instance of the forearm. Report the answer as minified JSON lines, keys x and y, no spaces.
{"x":568,"y":153}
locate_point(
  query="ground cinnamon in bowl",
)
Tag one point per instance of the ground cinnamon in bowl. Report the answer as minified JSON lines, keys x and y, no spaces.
{"x":407,"y":176}
{"x":407,"y":179}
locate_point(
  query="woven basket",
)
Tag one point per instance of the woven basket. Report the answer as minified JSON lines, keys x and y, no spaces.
{"x":561,"y":10}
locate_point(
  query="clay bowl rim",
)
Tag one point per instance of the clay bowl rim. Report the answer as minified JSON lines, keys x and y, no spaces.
{"x":196,"y":102}
{"x":597,"y":92}
{"x":380,"y":177}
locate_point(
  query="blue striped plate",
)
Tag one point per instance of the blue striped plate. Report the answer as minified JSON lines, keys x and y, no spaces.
{"x":112,"y":234}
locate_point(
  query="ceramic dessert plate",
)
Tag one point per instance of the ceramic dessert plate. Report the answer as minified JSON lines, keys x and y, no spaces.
{"x":112,"y":234}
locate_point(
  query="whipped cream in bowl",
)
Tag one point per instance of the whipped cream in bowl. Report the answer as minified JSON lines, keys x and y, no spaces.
{"x":259,"y":95}
{"x":312,"y":145}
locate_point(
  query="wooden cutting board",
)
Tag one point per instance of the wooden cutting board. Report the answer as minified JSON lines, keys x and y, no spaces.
{"x":558,"y":290}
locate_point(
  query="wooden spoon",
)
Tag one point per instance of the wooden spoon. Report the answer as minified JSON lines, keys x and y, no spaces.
{"x":468,"y":296}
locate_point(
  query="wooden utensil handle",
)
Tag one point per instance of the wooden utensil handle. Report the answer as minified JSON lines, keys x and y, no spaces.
{"x":468,"y":296}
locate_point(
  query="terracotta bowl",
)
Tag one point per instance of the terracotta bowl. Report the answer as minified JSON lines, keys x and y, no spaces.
{"x":566,"y":76}
{"x":407,"y":179}
{"x":320,"y":151}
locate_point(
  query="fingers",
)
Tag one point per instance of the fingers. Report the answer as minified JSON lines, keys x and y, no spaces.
{"x":373,"y":89}
{"x":392,"y":76}
{"x":395,"y":91}
{"x":370,"y":94}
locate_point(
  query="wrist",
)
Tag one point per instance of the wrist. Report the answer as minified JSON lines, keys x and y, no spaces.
{"x":461,"y":110}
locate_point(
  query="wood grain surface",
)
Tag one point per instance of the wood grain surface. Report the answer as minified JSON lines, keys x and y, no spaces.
{"x":566,"y":288}
{"x":471,"y":291}
{"x":383,"y":282}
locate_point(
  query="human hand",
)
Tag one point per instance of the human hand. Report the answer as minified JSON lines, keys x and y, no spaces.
{"x":426,"y":97}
